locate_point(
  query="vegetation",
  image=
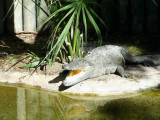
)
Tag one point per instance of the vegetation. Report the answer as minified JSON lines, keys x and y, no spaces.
{"x":67,"y":38}
{"x":70,"y":20}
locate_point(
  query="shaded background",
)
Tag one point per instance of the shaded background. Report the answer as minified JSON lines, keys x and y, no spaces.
{"x":124,"y":18}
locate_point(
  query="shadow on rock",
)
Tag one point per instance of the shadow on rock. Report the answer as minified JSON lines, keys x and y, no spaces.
{"x":61,"y":77}
{"x":62,"y":87}
{"x":157,"y":87}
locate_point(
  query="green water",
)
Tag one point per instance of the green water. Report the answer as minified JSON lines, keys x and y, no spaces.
{"x":24,"y":103}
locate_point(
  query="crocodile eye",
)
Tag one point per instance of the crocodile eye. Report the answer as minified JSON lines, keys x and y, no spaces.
{"x":75,"y":72}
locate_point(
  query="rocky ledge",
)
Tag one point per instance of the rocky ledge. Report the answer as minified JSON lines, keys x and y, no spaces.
{"x":142,"y":78}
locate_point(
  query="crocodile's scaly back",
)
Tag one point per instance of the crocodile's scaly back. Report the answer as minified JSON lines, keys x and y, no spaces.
{"x":107,"y":54}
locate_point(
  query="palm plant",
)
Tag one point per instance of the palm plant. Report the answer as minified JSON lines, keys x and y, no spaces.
{"x":67,"y":16}
{"x":71,"y":13}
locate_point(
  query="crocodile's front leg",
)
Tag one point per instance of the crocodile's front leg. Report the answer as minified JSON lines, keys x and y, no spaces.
{"x":110,"y":69}
{"x":116,"y":68}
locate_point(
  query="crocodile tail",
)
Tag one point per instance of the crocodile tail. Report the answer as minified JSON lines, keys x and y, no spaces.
{"x":146,"y":60}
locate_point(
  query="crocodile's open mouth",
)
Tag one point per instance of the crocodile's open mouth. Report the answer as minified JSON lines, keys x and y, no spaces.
{"x":76,"y":76}
{"x":75,"y":72}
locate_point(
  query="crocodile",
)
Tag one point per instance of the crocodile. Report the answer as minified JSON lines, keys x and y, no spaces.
{"x":103,"y":60}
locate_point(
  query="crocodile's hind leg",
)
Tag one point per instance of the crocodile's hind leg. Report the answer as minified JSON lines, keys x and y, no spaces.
{"x":121,"y":71}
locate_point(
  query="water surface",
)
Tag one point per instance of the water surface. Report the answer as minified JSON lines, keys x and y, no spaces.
{"x":24,"y":103}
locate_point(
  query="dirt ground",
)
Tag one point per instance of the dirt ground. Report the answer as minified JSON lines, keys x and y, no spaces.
{"x":13,"y":51}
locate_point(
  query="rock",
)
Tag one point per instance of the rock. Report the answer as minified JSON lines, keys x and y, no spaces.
{"x":142,"y":78}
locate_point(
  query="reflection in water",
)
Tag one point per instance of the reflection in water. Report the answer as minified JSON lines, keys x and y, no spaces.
{"x":21,"y":107}
{"x":19,"y":103}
